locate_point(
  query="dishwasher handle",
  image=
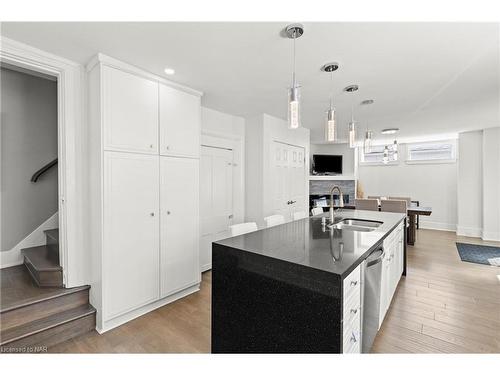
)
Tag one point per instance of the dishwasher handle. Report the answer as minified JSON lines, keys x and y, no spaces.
{"x":370,"y":261}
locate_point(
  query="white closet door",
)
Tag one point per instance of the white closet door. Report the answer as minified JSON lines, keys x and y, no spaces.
{"x":298,"y":180}
{"x":179,"y":222}
{"x":216,"y":199}
{"x":180,"y":119}
{"x":131,"y":232}
{"x":280,"y":177}
{"x":130,"y":106}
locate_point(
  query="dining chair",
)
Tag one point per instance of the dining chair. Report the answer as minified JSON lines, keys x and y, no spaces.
{"x":407,"y":199}
{"x":394,"y":205}
{"x":366,"y":204}
{"x":301,"y":215}
{"x":273,"y":220}
{"x":317,"y":211}
{"x":238,"y":229}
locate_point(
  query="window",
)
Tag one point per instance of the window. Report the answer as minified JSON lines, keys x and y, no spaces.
{"x":376,"y":156}
{"x":443,"y":151}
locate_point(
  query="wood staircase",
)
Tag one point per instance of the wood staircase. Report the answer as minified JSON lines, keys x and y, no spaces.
{"x":36,"y":311}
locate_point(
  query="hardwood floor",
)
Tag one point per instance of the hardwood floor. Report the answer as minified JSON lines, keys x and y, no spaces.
{"x":443,"y":306}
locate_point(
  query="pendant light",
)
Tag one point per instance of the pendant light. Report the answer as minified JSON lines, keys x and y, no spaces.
{"x":385,"y":158}
{"x":394,"y":146}
{"x":352,"y":123}
{"x":330,"y":126}
{"x":395,"y":150}
{"x":367,"y":144}
{"x":294,"y":31}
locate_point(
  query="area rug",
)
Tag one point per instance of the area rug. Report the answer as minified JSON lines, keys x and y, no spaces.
{"x":481,"y":254}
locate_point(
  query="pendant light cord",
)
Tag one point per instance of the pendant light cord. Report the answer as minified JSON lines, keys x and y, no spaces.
{"x":293,"y":73}
{"x":331,"y":93}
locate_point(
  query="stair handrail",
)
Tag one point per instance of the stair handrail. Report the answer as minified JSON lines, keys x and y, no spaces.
{"x":42,"y":170}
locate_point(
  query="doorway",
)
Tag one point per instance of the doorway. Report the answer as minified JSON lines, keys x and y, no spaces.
{"x":216,"y":199}
{"x":29,"y":175}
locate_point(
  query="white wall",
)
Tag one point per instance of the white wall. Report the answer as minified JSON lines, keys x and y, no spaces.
{"x":224,"y":130}
{"x":337,"y":149}
{"x":433,"y":185}
{"x":491,"y":184}
{"x":470,"y":184}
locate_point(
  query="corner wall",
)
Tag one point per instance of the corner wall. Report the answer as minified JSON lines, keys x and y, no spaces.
{"x":478,"y":197}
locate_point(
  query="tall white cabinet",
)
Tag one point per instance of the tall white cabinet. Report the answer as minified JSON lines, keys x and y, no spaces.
{"x":144,"y":148}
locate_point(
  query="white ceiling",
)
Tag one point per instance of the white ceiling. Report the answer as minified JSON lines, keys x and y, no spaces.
{"x":425,"y":78}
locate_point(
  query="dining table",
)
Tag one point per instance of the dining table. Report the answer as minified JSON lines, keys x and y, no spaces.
{"x":413,"y":212}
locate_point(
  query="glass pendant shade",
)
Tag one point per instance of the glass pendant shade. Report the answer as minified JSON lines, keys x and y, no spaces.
{"x":294,"y":108}
{"x":385,"y":158}
{"x":330,"y":126}
{"x":368,"y":142}
{"x":352,"y":134}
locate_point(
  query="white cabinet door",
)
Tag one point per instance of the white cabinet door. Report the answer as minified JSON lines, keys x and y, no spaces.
{"x":130,"y":232}
{"x":216,"y":199}
{"x":180,"y":118}
{"x":130,"y":110}
{"x":179,"y":222}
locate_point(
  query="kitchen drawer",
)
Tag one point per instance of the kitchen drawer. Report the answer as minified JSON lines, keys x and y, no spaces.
{"x":352,"y":283}
{"x":352,"y":340}
{"x":352,"y":309}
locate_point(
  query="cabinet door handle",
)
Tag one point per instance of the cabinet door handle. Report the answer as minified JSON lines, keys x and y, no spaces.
{"x":354,"y":283}
{"x":168,"y":147}
{"x":353,"y":337}
{"x":150,"y":146}
{"x":168,"y":212}
{"x":292,"y":202}
{"x":354,"y":311}
{"x":152,"y":214}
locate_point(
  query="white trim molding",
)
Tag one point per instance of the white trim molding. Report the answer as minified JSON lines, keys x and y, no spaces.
{"x":71,"y":150}
{"x":490,"y":236}
{"x":469,"y":231}
{"x":13,"y":256}
{"x":435,"y":225}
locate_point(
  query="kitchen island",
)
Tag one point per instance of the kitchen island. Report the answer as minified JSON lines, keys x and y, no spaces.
{"x":297,"y":287}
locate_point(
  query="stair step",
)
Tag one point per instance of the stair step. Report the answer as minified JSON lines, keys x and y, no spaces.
{"x":43,"y":265}
{"x":43,"y":305}
{"x":52,"y":329}
{"x":52,"y":235}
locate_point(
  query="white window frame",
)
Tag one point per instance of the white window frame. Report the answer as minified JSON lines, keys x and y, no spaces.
{"x":453,"y":159}
{"x":378,"y":163}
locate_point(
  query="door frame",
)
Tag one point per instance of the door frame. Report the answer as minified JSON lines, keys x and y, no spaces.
{"x":71,"y":150}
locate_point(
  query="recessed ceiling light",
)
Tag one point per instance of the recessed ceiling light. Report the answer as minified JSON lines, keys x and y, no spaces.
{"x":169,"y":71}
{"x":390,"y":130}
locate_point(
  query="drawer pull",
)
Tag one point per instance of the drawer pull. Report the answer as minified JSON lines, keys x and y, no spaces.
{"x":354,"y":311}
{"x":354,"y":283}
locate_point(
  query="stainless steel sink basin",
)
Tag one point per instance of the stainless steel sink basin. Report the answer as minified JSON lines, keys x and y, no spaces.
{"x":358,"y":225}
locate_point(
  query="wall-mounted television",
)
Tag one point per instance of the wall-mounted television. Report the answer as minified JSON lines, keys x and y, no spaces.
{"x":327,"y":164}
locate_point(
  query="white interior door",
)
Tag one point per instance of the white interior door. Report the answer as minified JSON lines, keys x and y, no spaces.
{"x":131,"y":232}
{"x":179,"y":222}
{"x":288,"y":179}
{"x":297,"y":180}
{"x":280,"y":176}
{"x":216,"y":199}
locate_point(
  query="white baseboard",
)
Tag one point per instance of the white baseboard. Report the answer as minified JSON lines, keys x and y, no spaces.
{"x":122,"y":319}
{"x":206,"y":267}
{"x":435,"y":225}
{"x":13,"y":256}
{"x":469,"y":231}
{"x":490,"y":236}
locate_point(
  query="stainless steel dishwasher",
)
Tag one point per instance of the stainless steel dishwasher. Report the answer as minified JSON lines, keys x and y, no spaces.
{"x":371,"y":297}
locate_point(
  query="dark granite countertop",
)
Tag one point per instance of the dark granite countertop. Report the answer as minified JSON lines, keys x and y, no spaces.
{"x":306,"y":243}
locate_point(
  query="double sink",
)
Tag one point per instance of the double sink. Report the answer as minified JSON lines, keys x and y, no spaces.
{"x":358,"y":225}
